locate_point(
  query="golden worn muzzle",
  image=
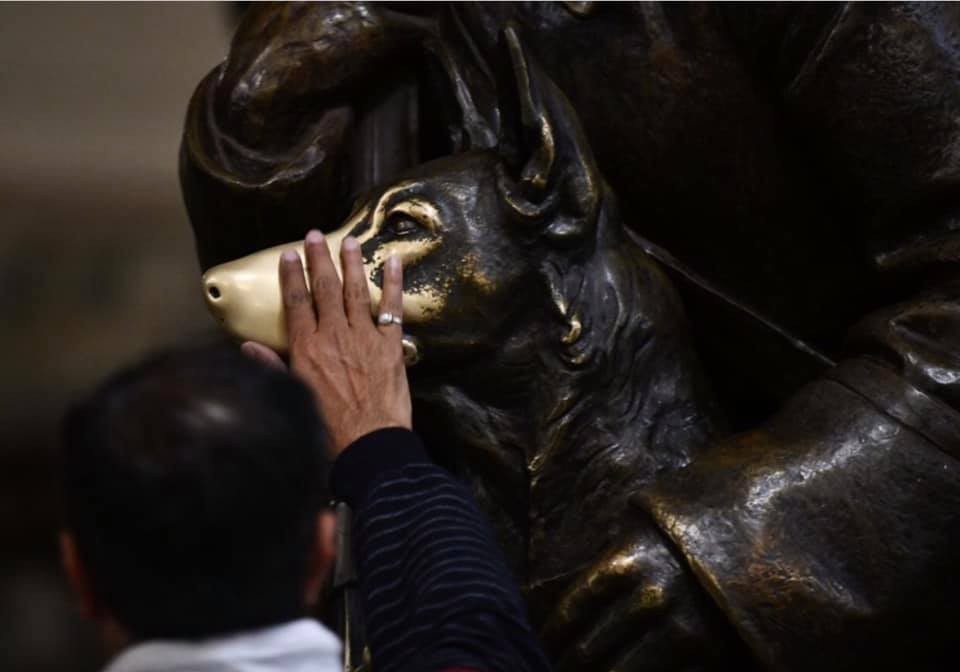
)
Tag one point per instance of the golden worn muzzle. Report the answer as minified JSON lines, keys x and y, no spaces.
{"x":244,"y":294}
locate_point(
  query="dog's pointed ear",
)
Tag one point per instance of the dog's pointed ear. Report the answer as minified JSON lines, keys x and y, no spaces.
{"x":549,"y":176}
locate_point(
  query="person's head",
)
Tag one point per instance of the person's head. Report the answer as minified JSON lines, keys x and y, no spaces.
{"x":194,"y":487}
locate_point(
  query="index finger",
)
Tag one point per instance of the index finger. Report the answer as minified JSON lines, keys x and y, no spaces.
{"x":297,"y":304}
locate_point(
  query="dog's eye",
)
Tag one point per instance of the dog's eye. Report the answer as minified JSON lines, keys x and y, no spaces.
{"x":401,"y":224}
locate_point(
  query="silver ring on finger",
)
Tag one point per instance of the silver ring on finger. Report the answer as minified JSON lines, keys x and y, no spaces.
{"x":386,"y":319}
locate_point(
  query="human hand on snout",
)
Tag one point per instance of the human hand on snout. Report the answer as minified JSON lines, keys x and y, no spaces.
{"x":353,"y":367}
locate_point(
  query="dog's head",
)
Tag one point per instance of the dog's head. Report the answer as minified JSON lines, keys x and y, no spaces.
{"x":472,"y":229}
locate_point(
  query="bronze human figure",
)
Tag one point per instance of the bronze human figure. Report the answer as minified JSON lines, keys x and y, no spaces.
{"x":799,"y":165}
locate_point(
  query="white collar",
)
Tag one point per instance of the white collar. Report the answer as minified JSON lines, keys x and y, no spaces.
{"x":292,"y":647}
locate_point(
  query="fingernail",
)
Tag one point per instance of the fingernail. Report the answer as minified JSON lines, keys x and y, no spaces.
{"x":350,"y":244}
{"x":289,"y":255}
{"x":393,"y":262}
{"x":314,"y":236}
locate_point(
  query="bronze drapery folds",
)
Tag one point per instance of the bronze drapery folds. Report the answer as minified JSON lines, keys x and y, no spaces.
{"x":802,"y":158}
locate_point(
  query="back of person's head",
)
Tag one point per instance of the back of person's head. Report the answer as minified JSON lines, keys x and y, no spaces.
{"x":192,"y":486}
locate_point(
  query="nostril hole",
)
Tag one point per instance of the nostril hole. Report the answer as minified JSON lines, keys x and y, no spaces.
{"x":213,"y":291}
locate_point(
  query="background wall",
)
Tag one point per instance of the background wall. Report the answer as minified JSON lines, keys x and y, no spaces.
{"x":96,"y":258}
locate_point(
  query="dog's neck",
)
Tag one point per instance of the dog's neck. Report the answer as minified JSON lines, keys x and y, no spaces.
{"x":557,"y":429}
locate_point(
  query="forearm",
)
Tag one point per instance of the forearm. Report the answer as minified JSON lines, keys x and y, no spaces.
{"x":436,"y":590}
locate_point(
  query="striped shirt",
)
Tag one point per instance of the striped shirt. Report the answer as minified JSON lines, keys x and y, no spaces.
{"x":436,"y":590}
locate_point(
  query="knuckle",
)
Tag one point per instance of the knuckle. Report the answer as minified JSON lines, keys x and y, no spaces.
{"x":356,"y":293}
{"x":341,"y":340}
{"x":299,"y":345}
{"x":295,"y":298}
{"x":321,"y":284}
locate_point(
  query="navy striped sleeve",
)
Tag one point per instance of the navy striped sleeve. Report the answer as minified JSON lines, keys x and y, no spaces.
{"x":436,"y":590}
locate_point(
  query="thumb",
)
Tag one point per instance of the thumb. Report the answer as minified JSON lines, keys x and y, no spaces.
{"x":263,"y":354}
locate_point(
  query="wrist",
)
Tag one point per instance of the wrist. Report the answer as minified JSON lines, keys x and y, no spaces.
{"x":358,"y":431}
{"x":371,"y":457}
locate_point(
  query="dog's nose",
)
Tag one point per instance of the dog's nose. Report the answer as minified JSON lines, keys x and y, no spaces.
{"x":214,"y":291}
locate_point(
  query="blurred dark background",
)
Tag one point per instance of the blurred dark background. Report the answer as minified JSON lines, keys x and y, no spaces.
{"x":96,"y":258}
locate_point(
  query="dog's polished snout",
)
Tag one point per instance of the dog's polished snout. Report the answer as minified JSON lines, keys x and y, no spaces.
{"x":244,"y":294}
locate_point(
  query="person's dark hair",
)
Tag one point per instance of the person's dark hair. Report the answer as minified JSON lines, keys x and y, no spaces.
{"x":192,"y":483}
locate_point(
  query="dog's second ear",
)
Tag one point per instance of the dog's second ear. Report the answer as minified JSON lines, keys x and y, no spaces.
{"x":549,"y":175}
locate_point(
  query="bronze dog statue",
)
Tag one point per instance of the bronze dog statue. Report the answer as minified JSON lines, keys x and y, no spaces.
{"x":556,"y":373}
{"x":825,"y":537}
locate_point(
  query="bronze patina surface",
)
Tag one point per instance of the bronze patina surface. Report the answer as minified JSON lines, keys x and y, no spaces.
{"x":677,"y":485}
